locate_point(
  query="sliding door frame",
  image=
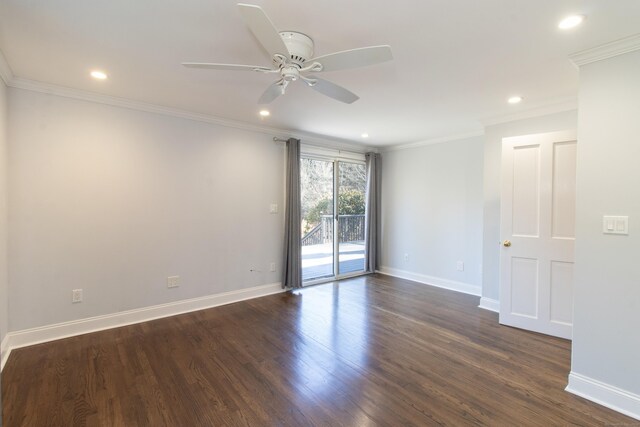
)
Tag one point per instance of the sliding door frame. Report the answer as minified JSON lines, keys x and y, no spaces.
{"x":336,"y":157}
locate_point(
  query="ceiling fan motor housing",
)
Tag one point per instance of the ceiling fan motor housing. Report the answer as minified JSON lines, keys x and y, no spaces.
{"x":300,"y":46}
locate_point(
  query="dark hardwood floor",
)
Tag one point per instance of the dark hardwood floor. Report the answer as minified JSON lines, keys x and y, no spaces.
{"x":367,"y":351}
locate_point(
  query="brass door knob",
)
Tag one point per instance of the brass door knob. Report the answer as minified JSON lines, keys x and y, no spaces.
{"x":506,"y":243}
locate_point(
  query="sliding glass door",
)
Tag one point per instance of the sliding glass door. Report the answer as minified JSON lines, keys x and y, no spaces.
{"x":350,"y":214}
{"x":316,"y":200}
{"x":333,"y":204}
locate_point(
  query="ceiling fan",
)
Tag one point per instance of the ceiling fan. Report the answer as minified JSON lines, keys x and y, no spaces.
{"x":292,"y":53}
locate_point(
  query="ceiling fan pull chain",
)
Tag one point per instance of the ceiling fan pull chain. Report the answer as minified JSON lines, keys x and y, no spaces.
{"x":283,"y":83}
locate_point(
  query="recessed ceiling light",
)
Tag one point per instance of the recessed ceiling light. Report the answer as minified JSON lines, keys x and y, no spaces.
{"x":571,"y":21}
{"x":365,"y":135}
{"x":514,"y":100}
{"x":265,"y":113}
{"x":97,"y":74}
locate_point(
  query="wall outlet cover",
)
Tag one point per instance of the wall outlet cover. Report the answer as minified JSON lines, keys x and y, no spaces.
{"x":173,"y":281}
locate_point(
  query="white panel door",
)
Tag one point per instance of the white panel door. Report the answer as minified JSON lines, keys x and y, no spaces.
{"x":537,"y":225}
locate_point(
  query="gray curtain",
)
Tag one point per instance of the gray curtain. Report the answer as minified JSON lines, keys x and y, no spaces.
{"x":372,"y":213}
{"x":292,"y":269}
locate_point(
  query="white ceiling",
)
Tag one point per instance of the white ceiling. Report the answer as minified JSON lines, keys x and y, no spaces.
{"x":455,"y":61}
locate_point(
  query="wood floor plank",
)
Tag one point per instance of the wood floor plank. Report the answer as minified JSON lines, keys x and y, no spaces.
{"x":372,"y":350}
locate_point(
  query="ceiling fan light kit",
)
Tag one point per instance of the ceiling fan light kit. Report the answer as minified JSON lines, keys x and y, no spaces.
{"x":292,"y":57}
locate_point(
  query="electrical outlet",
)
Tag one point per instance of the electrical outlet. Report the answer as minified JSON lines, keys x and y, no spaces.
{"x":272,"y":266}
{"x":273,"y":208}
{"x":173,"y":281}
{"x":406,"y":257}
{"x":76,"y":296}
{"x":460,"y":266}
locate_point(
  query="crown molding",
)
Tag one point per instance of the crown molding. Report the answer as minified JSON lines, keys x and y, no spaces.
{"x":66,"y":92}
{"x":608,"y":50}
{"x":439,"y":140}
{"x":5,"y":70}
{"x":558,"y":105}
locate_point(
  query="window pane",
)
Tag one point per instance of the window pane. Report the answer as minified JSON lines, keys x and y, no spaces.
{"x":316,"y":199}
{"x":351,"y":205}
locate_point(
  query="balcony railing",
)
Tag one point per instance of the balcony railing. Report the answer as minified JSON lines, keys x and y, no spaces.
{"x":350,"y":229}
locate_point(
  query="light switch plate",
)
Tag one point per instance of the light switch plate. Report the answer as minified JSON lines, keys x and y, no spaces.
{"x":615,"y":224}
{"x":273,"y":208}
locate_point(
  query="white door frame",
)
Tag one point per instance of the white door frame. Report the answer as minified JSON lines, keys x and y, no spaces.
{"x":336,"y":157}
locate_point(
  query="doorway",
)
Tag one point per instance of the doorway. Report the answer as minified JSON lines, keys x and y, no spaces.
{"x":333,"y":214}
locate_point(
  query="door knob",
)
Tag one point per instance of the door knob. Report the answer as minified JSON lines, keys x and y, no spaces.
{"x":506,"y":243}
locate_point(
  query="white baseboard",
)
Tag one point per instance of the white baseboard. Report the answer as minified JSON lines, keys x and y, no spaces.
{"x":604,"y":394}
{"x":4,"y":351}
{"x":489,"y":304}
{"x":57,"y":331}
{"x":438,"y":282}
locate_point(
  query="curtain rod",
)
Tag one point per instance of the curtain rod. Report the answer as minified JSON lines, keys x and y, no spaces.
{"x":339,"y":150}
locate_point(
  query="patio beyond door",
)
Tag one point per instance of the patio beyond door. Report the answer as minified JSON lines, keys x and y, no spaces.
{"x":333,"y":207}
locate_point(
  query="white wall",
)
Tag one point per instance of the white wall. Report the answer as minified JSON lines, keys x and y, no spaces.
{"x":113,"y":201}
{"x":4,"y":276}
{"x":492,"y":165}
{"x":606,"y":331}
{"x":432,"y":210}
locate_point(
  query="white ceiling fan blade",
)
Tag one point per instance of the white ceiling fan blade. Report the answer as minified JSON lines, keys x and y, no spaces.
{"x":354,"y":58}
{"x":264,"y":30}
{"x":272,"y":92}
{"x":231,"y":67}
{"x":334,"y":91}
